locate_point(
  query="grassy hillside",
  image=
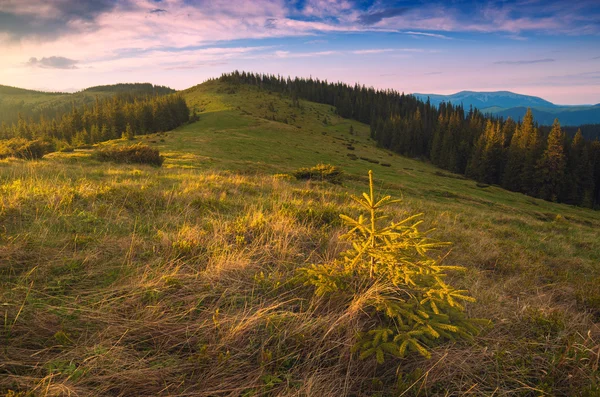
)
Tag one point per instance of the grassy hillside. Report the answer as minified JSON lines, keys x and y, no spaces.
{"x":131,"y":280}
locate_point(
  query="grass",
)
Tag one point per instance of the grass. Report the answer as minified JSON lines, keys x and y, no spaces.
{"x":134,"y":280}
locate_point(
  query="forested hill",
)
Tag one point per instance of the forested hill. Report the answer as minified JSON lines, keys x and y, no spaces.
{"x":145,"y":88}
{"x":8,"y":90}
{"x":123,"y":115}
{"x":517,"y":156}
{"x":33,"y":105}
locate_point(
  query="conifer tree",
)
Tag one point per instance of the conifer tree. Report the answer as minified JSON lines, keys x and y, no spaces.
{"x":486,"y":162}
{"x":519,"y":169}
{"x":580,"y":181}
{"x":415,"y":308}
{"x":551,"y":167}
{"x":128,"y":134}
{"x":533,"y":150}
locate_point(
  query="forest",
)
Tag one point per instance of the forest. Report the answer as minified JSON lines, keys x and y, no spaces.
{"x":540,"y":161}
{"x":36,"y":105}
{"x":122,"y":115}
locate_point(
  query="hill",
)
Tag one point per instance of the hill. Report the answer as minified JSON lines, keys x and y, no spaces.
{"x":145,"y":88}
{"x":35,"y":104}
{"x":180,"y":280}
{"x":7,"y":90}
{"x":567,"y":117}
{"x":508,"y":104}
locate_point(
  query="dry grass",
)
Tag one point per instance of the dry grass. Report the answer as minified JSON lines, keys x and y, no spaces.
{"x":117,"y":280}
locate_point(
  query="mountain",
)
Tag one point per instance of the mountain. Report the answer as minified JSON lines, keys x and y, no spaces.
{"x":483,"y":100}
{"x":508,"y":104}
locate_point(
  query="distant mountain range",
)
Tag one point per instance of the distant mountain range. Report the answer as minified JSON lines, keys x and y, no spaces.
{"x":508,"y":104}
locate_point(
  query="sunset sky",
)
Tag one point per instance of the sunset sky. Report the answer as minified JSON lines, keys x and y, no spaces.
{"x":549,"y":49}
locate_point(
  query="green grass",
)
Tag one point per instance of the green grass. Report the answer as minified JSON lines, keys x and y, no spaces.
{"x":178,"y":280}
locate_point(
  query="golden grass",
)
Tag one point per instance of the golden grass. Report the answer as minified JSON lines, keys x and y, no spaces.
{"x":123,"y":280}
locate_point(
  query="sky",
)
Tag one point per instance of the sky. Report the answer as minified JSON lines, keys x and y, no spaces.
{"x":549,"y":49}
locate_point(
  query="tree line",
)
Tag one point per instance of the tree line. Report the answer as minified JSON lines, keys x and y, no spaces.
{"x":540,"y":161}
{"x":123,"y":115}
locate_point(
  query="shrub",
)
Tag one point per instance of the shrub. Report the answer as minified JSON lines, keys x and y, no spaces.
{"x":25,"y":149}
{"x":321,"y":172}
{"x":139,"y":153}
{"x":370,"y":160}
{"x":409,"y":305}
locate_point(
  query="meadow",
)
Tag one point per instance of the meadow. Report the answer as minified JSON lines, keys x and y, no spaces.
{"x":181,"y":280}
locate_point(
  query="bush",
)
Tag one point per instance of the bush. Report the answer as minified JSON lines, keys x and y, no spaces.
{"x":25,"y":149}
{"x":321,"y":172}
{"x":408,"y":303}
{"x":370,"y":160}
{"x":140,"y":154}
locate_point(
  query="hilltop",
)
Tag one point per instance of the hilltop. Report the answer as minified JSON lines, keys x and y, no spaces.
{"x":124,"y":279}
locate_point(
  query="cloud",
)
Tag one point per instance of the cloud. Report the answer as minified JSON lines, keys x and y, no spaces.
{"x":288,"y":54}
{"x":52,"y":63}
{"x":375,"y":17}
{"x":436,"y":35}
{"x":319,"y":41}
{"x":524,"y":62}
{"x":50,"y":19}
{"x":271,"y":23}
{"x":372,"y":51}
{"x":196,"y":66}
{"x":157,"y":11}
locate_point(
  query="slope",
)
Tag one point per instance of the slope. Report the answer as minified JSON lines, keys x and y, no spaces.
{"x":133,"y":280}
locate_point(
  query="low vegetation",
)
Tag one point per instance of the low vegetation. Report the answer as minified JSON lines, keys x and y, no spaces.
{"x":320,"y":172}
{"x":132,"y":154}
{"x":24,"y":149}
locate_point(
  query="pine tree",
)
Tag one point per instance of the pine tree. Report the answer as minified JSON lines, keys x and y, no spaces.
{"x":409,"y":303}
{"x":520,"y":167}
{"x":488,"y":155}
{"x":551,"y":167}
{"x":128,"y":134}
{"x":580,"y":181}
